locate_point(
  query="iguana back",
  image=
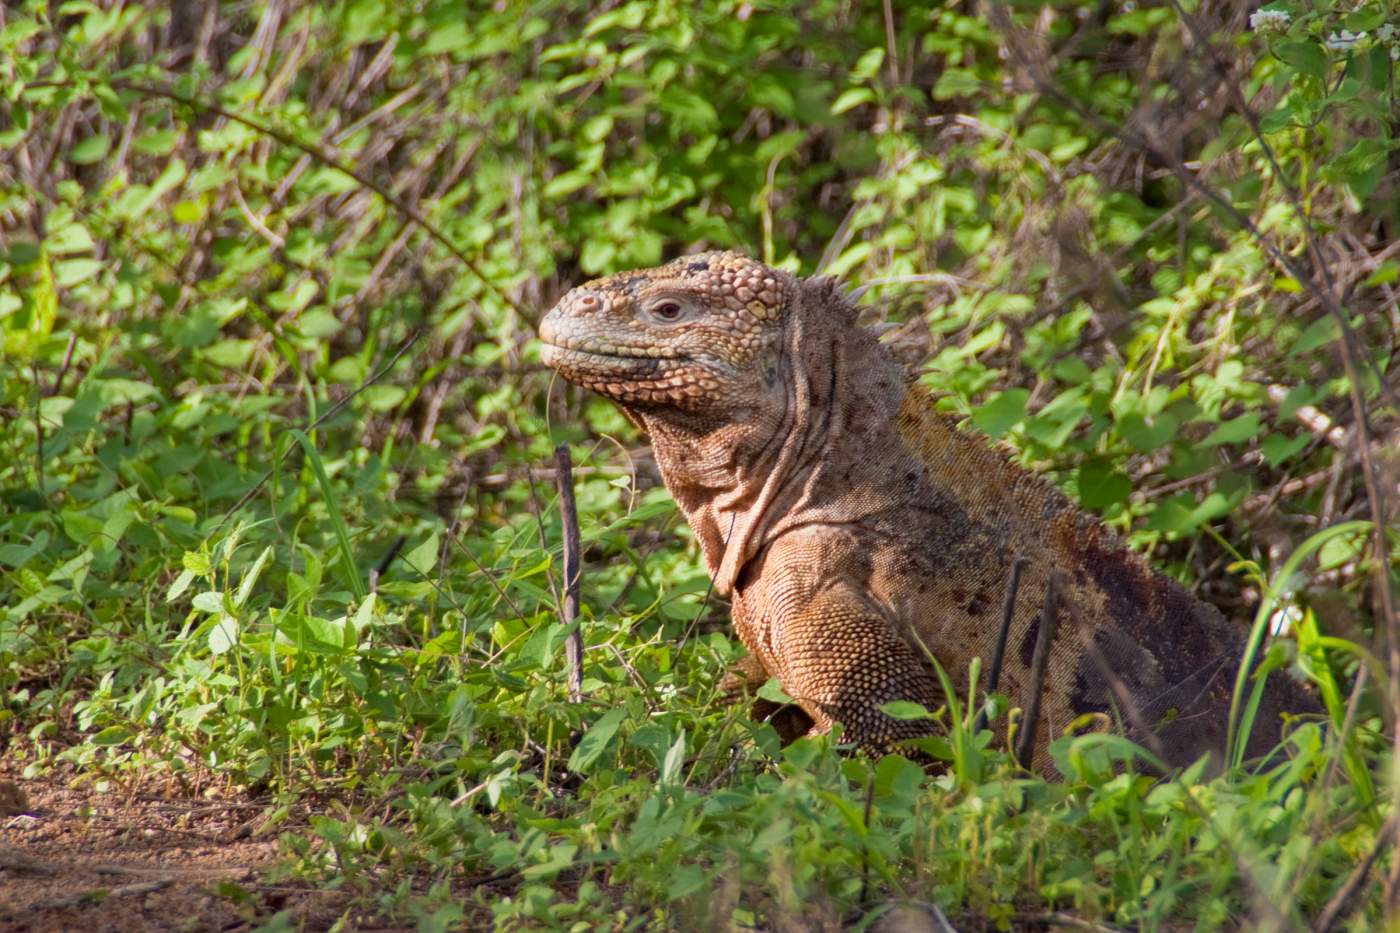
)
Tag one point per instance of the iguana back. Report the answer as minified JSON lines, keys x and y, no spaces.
{"x":852,"y":525}
{"x":1176,"y":656}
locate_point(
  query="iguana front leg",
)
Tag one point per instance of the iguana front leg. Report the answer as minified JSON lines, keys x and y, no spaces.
{"x":836,"y":652}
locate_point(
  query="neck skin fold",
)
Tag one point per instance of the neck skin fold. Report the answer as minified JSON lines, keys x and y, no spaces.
{"x":746,"y":476}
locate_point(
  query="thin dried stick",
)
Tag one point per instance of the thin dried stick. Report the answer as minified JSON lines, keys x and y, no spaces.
{"x":385,"y":561}
{"x":1040,"y":660}
{"x":568,"y":513}
{"x":1340,"y":904}
{"x":1008,"y":611}
{"x":63,"y":370}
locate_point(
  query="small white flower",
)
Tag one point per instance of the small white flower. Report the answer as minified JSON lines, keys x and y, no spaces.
{"x":1386,"y":33}
{"x":1268,"y":21}
{"x":1341,"y":41}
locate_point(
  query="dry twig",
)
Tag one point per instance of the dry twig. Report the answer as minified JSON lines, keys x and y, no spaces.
{"x":1040,"y":661}
{"x":568,"y":513}
{"x":1008,"y":611}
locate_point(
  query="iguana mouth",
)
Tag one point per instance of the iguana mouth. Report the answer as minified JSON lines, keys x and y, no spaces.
{"x":587,"y":349}
{"x":668,"y":380}
{"x":629,"y":364}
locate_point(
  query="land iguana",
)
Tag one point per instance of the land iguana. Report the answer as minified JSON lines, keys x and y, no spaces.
{"x":853,"y":526}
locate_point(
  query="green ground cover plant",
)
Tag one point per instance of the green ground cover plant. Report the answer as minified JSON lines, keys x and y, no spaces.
{"x":279,"y":511}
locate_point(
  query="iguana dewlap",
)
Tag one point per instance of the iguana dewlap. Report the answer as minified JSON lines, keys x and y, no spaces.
{"x":848,"y":521}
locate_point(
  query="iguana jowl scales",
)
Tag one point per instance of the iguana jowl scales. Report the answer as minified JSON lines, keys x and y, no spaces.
{"x":848,"y":521}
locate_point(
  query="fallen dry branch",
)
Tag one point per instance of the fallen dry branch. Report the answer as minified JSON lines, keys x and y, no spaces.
{"x":17,"y":860}
{"x":98,"y":895}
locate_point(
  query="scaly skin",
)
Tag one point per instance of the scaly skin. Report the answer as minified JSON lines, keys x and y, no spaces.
{"x":852,"y":525}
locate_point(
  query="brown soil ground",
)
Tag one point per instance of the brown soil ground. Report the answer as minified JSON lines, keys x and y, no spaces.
{"x":73,"y":859}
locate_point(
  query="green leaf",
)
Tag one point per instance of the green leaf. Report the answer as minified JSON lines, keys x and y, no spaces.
{"x":424,"y":558}
{"x":232,"y":354}
{"x":70,"y":272}
{"x":70,"y":238}
{"x":1182,"y":514}
{"x":245,"y":588}
{"x":187,"y":212}
{"x":1361,"y":166}
{"x":1101,"y":485}
{"x":1002,"y":413}
{"x":1277,"y":448}
{"x":224,"y":635}
{"x":1234,"y":431}
{"x":868,"y":65}
{"x":628,"y":16}
{"x":566,"y":184}
{"x":956,"y":82}
{"x":685,"y":881}
{"x":780,"y":145}
{"x":1307,"y":56}
{"x":1343,"y":549}
{"x":177,"y":588}
{"x":365,"y":614}
{"x":1071,"y":752}
{"x":89,"y":150}
{"x":1387,"y":273}
{"x":488,"y":436}
{"x":905,"y":710}
{"x":674,"y":761}
{"x":16,"y":556}
{"x":384,"y":398}
{"x":687,"y":109}
{"x":209,"y":601}
{"x":1298,"y":396}
{"x":452,"y":37}
{"x":560,"y":857}
{"x":851,"y":98}
{"x":772,"y":691}
{"x":23,"y":253}
{"x":156,"y":142}
{"x":197,"y":562}
{"x":595,"y":740}
{"x":112,"y":735}
{"x":1280,"y":117}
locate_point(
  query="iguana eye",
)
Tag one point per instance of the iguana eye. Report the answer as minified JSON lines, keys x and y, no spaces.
{"x":667,"y":310}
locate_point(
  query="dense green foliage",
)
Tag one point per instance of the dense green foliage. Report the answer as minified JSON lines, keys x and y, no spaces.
{"x":277,"y":503}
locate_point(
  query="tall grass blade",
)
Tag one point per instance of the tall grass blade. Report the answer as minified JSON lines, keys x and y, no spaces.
{"x":1278,"y":590}
{"x":342,"y":534}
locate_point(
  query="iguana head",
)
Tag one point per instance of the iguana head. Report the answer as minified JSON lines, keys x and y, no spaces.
{"x":697,"y":335}
{"x":749,"y":381}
